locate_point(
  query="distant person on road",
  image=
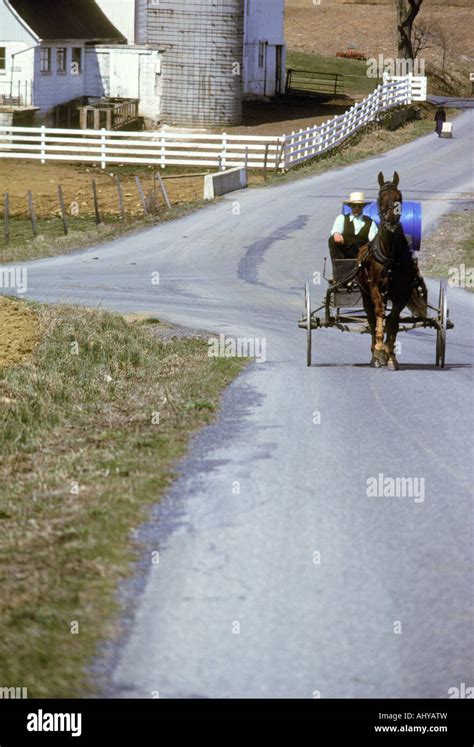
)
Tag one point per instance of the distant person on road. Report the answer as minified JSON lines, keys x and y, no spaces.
{"x":440,"y":119}
{"x":352,"y":231}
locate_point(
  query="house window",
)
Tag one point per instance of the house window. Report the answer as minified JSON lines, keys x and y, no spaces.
{"x":45,"y":59}
{"x":261,"y":54}
{"x":3,"y":57}
{"x":76,"y":64}
{"x":61,"y":59}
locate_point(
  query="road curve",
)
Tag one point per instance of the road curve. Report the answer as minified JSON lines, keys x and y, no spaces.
{"x":279,"y":576}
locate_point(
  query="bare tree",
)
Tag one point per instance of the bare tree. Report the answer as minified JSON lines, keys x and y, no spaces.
{"x":443,"y":39}
{"x":421,"y":38}
{"x":407,"y":11}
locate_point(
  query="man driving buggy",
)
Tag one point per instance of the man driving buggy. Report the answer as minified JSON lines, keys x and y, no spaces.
{"x":350,"y":232}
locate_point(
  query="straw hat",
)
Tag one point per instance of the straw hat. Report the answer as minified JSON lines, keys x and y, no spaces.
{"x":356,"y":198}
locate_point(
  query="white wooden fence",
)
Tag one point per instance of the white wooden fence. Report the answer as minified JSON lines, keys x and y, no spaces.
{"x":305,"y":144}
{"x":185,"y":149}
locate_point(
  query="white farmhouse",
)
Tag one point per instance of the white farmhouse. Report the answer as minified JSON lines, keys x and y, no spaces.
{"x":52,"y":52}
{"x":43,"y":46}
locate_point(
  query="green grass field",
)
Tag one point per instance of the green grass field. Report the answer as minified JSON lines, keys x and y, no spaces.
{"x":355,"y":80}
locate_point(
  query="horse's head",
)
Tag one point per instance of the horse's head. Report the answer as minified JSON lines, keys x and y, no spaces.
{"x":389,"y":202}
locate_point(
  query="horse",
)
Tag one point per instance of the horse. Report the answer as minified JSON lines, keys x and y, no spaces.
{"x":388,"y":272}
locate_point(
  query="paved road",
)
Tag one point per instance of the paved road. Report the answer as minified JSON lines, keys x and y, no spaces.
{"x":452,"y":101}
{"x":334,"y":591}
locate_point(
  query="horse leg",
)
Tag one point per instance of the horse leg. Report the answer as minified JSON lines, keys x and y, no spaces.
{"x":392,"y":331}
{"x":369,"y":310}
{"x":379,"y":309}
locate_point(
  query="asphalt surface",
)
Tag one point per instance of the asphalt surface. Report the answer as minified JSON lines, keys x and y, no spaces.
{"x":452,"y":101}
{"x":279,"y":576}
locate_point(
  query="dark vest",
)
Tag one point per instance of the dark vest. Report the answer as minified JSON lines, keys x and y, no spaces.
{"x":350,"y":236}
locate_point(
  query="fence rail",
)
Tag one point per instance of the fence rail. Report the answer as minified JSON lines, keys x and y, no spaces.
{"x":314,"y":141}
{"x":312,"y":82}
{"x":189,"y":149}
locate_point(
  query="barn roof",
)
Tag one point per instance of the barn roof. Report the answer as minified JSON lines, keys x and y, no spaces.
{"x":67,"y":19}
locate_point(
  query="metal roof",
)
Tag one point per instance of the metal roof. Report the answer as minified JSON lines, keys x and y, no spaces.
{"x":67,"y":19}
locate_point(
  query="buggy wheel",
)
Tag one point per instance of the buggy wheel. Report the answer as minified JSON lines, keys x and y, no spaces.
{"x":442,"y":324}
{"x":307,"y":305}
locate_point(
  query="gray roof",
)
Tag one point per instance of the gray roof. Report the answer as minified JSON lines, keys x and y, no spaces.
{"x":67,"y":19}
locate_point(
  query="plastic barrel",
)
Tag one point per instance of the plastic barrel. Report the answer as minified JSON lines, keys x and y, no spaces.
{"x":411,"y":220}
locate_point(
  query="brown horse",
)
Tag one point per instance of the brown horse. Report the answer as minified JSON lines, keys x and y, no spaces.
{"x":388,"y":272}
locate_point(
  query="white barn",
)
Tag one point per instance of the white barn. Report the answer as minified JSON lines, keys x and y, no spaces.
{"x":264,"y":48}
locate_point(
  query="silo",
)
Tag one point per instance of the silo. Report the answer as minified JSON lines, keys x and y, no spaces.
{"x":202,"y":65}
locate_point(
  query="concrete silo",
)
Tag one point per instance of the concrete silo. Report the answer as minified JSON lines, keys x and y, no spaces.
{"x":202,"y":64}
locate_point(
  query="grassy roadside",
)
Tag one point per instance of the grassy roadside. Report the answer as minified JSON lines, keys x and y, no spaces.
{"x":449,"y":251}
{"x":84,"y":453}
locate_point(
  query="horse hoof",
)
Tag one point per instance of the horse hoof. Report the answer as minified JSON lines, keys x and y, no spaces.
{"x":392,"y":364}
{"x":381,"y":357}
{"x":375,"y":363}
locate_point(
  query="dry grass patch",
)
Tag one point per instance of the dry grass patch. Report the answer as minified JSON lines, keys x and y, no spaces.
{"x":19,"y":331}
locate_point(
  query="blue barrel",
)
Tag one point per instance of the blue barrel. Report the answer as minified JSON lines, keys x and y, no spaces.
{"x":411,"y":220}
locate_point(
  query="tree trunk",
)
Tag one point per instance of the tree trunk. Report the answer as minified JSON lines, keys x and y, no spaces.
{"x":407,"y":11}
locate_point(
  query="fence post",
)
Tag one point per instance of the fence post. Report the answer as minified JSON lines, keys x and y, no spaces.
{"x":63,"y":211}
{"x":163,"y":191}
{"x":224,"y":151}
{"x":6,"y":218}
{"x":31,"y":208}
{"x":43,"y":144}
{"x":142,"y":196}
{"x":246,"y":157}
{"x":96,"y":203}
{"x":120,"y":198}
{"x":265,"y":161}
{"x":163,"y":151}
{"x":410,"y":88}
{"x":291,"y":147}
{"x":103,"y":153}
{"x":281,"y":155}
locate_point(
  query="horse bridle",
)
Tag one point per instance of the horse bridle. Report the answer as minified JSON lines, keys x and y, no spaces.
{"x":374,"y":248}
{"x":388,"y":187}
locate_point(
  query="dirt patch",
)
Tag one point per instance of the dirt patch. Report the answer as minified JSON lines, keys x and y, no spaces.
{"x":287,"y":115}
{"x":17,"y":177}
{"x":19,"y":332}
{"x":329,"y":28}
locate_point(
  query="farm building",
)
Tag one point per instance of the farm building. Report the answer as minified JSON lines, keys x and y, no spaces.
{"x":52,"y":52}
{"x":217,"y":52}
{"x":187,"y":62}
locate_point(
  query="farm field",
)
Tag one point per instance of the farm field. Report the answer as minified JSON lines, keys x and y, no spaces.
{"x":317,"y":29}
